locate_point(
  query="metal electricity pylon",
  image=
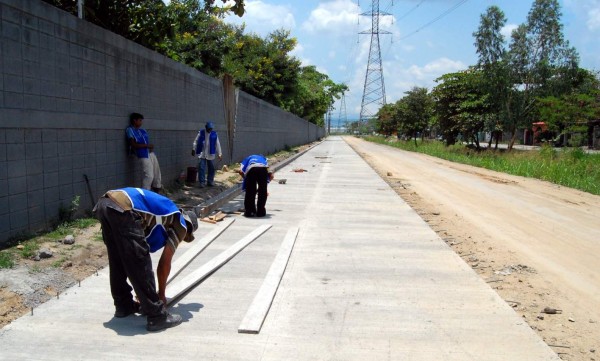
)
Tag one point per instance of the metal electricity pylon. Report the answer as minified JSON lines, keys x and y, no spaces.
{"x":374,"y":91}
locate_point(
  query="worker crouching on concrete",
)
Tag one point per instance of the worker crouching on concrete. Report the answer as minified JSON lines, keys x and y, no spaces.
{"x":256,"y":175}
{"x":136,"y":222}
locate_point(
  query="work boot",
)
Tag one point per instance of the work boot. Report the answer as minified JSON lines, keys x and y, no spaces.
{"x":163,"y":321}
{"x":121,"y":312}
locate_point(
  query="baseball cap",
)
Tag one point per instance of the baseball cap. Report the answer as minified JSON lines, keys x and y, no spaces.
{"x":191,"y":220}
{"x":209,"y":125}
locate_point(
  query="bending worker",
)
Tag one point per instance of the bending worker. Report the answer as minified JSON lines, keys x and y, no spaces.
{"x":136,"y":222}
{"x":255,"y":171}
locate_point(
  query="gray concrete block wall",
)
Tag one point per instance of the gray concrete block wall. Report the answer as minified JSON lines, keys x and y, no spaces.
{"x":262,"y":128}
{"x":67,"y":88}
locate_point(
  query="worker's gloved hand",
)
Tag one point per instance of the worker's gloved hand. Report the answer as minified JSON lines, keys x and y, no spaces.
{"x":193,"y":152}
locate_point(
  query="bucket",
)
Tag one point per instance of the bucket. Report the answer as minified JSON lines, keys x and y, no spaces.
{"x":191,"y":174}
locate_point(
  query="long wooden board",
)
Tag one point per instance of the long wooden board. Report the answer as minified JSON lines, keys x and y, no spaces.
{"x":256,"y":314}
{"x":182,"y":261}
{"x":178,"y":290}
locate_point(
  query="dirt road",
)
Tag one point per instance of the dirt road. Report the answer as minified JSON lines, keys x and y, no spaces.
{"x":536,"y":243}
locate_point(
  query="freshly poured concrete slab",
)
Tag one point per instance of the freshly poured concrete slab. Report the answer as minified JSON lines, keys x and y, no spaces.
{"x":198,"y":246}
{"x":367,"y":280}
{"x":177,"y":290}
{"x":259,"y":308}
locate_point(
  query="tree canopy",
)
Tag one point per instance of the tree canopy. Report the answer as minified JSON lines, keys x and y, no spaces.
{"x":536,"y":77}
{"x":193,"y":32}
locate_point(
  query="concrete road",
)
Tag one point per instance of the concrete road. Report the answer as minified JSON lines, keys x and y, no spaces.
{"x":367,"y":280}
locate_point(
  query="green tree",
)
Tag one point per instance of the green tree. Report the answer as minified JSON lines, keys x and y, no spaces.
{"x":142,"y":21}
{"x":461,"y":107}
{"x":197,"y":38}
{"x":541,"y":62}
{"x":386,"y":123}
{"x":447,"y":106}
{"x":491,"y":49}
{"x":191,"y":32}
{"x":572,"y":112}
{"x":264,"y":67}
{"x":314,"y":95}
{"x":415,"y":112}
{"x":238,"y":7}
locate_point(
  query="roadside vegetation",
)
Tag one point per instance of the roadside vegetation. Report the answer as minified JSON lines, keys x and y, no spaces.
{"x":528,"y":84}
{"x":567,"y":167}
{"x":193,"y":32}
{"x":26,"y":247}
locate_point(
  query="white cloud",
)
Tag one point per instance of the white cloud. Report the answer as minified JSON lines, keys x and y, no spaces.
{"x":436,"y":68}
{"x":593,"y":22}
{"x":298,"y":50}
{"x":306,"y":61}
{"x":334,"y":17}
{"x":590,"y":9}
{"x":399,"y":80}
{"x":264,"y":18}
{"x":507,"y":30}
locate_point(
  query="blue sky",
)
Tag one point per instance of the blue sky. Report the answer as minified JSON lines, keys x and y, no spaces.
{"x":414,"y":54}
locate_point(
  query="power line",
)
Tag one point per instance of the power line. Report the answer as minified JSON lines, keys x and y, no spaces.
{"x":410,"y":11}
{"x":442,"y":15}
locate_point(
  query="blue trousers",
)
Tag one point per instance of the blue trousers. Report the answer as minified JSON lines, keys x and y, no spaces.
{"x":202,"y":168}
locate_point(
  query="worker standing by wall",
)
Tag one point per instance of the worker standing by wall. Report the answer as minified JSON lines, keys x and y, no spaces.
{"x":207,"y":146}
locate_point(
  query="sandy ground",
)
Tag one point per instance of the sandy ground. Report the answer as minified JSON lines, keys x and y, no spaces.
{"x":535,"y":243}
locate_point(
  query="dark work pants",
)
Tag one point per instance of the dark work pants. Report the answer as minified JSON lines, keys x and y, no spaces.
{"x":256,"y":182}
{"x":128,"y":258}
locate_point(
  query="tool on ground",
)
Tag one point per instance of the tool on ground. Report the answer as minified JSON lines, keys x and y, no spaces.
{"x":551,"y":311}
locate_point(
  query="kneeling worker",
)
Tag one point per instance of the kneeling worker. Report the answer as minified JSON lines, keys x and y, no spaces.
{"x":136,"y":222}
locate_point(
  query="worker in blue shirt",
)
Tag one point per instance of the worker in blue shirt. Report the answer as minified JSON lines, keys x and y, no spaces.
{"x":136,"y":222}
{"x":255,"y":172}
{"x":207,"y":146}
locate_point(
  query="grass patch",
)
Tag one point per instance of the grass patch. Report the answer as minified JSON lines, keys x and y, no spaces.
{"x":59,"y":262}
{"x":60,"y":232}
{"x":64,"y":229}
{"x":30,"y":248}
{"x":6,"y":260}
{"x":30,"y":245}
{"x":98,"y":236}
{"x":571,"y":168}
{"x":234,"y":179}
{"x":83,"y":223}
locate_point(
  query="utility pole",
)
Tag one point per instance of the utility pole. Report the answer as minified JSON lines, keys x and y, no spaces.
{"x":329,"y":121}
{"x":374,"y":90}
{"x":342,"y":115}
{"x":80,"y":8}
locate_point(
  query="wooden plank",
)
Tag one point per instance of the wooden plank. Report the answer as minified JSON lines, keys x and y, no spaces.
{"x":219,"y":216}
{"x":198,"y":246}
{"x":256,"y":314}
{"x":178,"y":290}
